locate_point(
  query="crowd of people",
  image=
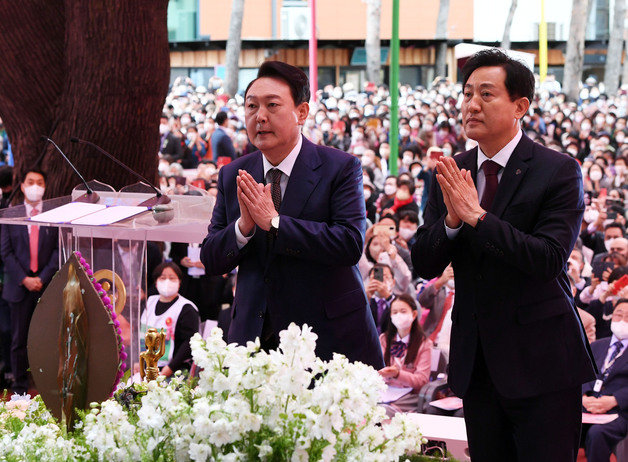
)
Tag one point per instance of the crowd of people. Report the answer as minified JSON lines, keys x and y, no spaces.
{"x":203,"y":129}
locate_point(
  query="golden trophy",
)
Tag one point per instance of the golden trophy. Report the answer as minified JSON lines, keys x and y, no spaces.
{"x":155,"y":349}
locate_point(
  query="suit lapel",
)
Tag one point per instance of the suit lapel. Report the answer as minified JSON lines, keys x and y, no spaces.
{"x":302,"y":182}
{"x":513,"y":174}
{"x":620,"y":362}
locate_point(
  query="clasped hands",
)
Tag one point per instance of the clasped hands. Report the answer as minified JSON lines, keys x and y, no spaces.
{"x":256,"y":203}
{"x":600,"y":405}
{"x":459,"y":194}
{"x":33,"y":284}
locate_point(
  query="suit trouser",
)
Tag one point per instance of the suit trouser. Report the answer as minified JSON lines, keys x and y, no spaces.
{"x":5,"y":335}
{"x":21,"y":314}
{"x":601,"y":440}
{"x":540,"y":428}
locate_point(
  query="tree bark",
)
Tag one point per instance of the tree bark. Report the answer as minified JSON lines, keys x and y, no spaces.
{"x":511,"y":14}
{"x":574,"y":58}
{"x":441,"y":38}
{"x":612,"y":69}
{"x":373,"y":48}
{"x":234,"y":44}
{"x":96,"y":70}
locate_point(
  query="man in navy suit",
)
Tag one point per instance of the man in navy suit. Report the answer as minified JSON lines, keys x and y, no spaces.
{"x":222,"y":146}
{"x":506,"y":214}
{"x":608,"y":394}
{"x":291,"y":217}
{"x":31,"y":257}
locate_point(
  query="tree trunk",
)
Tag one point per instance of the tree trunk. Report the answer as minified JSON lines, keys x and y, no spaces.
{"x":373,"y":49}
{"x":612,"y":70}
{"x":511,"y":14}
{"x":234,"y":43}
{"x":96,"y":70}
{"x":574,"y":58}
{"x":441,"y":38}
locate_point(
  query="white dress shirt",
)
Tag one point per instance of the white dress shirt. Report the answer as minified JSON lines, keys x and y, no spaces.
{"x":610,"y":349}
{"x":29,"y":210}
{"x":502,"y":157}
{"x":286,"y":167}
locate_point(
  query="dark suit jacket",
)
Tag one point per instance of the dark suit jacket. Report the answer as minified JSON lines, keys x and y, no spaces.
{"x":512,"y":290}
{"x":309,"y":273}
{"x":616,"y":384}
{"x":222,"y":146}
{"x":15,"y":251}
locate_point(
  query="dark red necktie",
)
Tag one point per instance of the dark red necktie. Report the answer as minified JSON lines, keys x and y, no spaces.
{"x":490,"y":169}
{"x":275,"y":187}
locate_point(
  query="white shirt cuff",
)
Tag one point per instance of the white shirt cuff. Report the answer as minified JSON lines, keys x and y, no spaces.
{"x":241,"y":240}
{"x":580,"y":285}
{"x":452,"y":232}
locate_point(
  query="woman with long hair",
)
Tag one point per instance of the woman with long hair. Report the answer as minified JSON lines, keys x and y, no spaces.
{"x":407,"y":353}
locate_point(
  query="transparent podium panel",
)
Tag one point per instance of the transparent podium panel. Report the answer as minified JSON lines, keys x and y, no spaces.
{"x":119,"y":265}
{"x":116,"y":252}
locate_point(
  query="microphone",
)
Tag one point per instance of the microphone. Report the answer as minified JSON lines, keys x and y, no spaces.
{"x":158,"y":199}
{"x":90,"y":196}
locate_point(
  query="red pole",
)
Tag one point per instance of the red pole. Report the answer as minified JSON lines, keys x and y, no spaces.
{"x":313,"y":52}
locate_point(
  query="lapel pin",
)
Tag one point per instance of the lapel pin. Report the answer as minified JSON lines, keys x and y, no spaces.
{"x":518,"y":172}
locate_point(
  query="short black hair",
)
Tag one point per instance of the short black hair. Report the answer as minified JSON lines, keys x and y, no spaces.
{"x":167,"y":264}
{"x":616,"y":224}
{"x":221,"y":117}
{"x":409,"y":215}
{"x":519,"y":79}
{"x":293,"y":76}
{"x":35,"y":170}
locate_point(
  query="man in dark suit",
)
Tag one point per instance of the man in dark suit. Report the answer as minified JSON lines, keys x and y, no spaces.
{"x":31,"y":257}
{"x":609,"y":393}
{"x":298,"y":238}
{"x":222,"y":145}
{"x":518,"y":351}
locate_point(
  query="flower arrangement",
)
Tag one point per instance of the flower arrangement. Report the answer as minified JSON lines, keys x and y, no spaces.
{"x":246,"y":405}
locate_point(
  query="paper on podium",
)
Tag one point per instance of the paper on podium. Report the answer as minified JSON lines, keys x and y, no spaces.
{"x":451,"y":403}
{"x":597,"y":418}
{"x":391,"y":394}
{"x":68,"y":212}
{"x":194,"y":254}
{"x":109,"y":215}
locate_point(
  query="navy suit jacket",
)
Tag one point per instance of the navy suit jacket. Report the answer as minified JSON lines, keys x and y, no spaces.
{"x":222,"y":146}
{"x":309,"y":273}
{"x":616,"y":384}
{"x":512,"y":291}
{"x":15,"y":251}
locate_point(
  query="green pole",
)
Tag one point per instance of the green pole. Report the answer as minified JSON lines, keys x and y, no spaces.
{"x":394,"y":92}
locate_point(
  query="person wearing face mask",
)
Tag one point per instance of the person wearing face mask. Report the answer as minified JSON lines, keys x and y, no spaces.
{"x":408,"y":225}
{"x":173,"y":313}
{"x":196,"y":146}
{"x":608,"y":394}
{"x":369,"y":199}
{"x":404,"y":198}
{"x":438,"y":298}
{"x":31,"y":256}
{"x":407,"y":354}
{"x":171,"y":146}
{"x":387,"y":198}
{"x":621,"y":173}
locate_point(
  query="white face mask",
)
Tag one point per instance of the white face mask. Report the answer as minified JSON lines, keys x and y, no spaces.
{"x":367,"y":194}
{"x":167,"y":288}
{"x":451,"y":284}
{"x":390,"y":189}
{"x":595,"y":175}
{"x":620,"y":329}
{"x":34,"y":193}
{"x":607,"y":244}
{"x":407,"y":233}
{"x":404,"y":133}
{"x":163,"y":129}
{"x":402,"y":321}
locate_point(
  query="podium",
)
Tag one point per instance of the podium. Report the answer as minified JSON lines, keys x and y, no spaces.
{"x":117,"y":252}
